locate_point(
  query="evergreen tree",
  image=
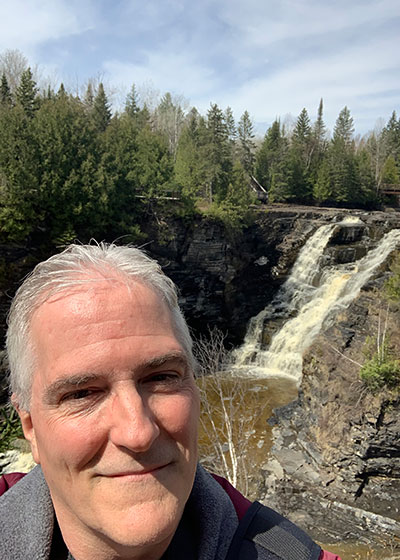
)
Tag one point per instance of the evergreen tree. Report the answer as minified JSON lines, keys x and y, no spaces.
{"x":343,"y":180}
{"x":300,"y":157}
{"x":19,"y":181}
{"x":367,"y":194}
{"x":344,"y":128}
{"x":26,"y":94}
{"x":5,"y":92}
{"x":189,"y":168}
{"x":132,"y":102}
{"x":391,"y":135}
{"x":273,"y":171}
{"x":218,"y":154}
{"x":89,"y":96}
{"x":246,"y":143}
{"x":390,"y":172}
{"x":322,"y":190}
{"x":61,"y":94}
{"x":230,"y":125}
{"x":319,"y":131}
{"x":64,"y":137}
{"x":101,"y":109}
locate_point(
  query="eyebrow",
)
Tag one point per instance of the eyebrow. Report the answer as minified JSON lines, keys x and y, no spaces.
{"x":81,"y":380}
{"x":66,"y":384}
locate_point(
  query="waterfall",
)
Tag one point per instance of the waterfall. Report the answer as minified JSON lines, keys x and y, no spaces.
{"x":308,"y":301}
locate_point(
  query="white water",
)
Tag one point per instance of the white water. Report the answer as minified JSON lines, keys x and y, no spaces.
{"x":309,"y":301}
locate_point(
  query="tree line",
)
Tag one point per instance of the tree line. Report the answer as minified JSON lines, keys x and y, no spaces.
{"x":71,"y":168}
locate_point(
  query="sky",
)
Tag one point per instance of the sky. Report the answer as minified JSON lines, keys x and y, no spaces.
{"x":269,"y":57}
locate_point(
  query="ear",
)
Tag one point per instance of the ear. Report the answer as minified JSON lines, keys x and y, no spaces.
{"x":27,"y":427}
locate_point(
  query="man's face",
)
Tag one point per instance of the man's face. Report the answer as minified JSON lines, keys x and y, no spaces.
{"x":113,"y":418}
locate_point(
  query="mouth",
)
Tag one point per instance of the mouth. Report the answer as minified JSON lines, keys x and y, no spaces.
{"x":138,"y":473}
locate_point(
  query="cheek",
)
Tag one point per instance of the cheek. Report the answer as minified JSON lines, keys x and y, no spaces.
{"x":179,"y":418}
{"x":71,"y":442}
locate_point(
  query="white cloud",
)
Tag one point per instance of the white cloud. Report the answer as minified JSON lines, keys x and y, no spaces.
{"x":169,"y":71}
{"x":25,"y":24}
{"x":263,"y":23}
{"x":361,"y":81}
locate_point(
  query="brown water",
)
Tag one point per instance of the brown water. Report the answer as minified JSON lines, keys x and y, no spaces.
{"x":251,"y":402}
{"x":362,"y":552}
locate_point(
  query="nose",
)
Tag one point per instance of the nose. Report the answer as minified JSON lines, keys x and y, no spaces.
{"x":133,"y":425}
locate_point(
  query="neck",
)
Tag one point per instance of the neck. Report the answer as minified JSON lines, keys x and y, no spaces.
{"x":95,"y":546}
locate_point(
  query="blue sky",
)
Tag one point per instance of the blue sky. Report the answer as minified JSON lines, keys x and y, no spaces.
{"x":267,"y":56}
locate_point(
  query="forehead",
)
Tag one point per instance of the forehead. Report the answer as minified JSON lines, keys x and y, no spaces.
{"x":100,"y":312}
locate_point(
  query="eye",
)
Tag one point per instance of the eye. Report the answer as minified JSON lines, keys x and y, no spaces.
{"x":78,"y":395}
{"x":163,"y":380}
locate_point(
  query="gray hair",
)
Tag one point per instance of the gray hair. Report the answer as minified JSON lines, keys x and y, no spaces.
{"x":72,"y":268}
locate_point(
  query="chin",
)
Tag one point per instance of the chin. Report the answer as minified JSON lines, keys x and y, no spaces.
{"x":152,"y":524}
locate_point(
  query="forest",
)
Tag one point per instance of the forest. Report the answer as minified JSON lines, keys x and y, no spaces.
{"x":71,"y":168}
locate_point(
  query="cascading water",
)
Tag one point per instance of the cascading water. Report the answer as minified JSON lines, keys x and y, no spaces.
{"x":309,"y":300}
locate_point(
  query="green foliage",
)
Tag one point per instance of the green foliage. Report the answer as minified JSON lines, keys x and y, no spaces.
{"x":26,"y":93}
{"x":381,"y":368}
{"x":246,"y":146}
{"x":69,"y":169}
{"x":10,"y":427}
{"x":390,"y":172}
{"x":234,"y":210}
{"x":381,"y":371}
{"x":101,"y":109}
{"x":5,"y":92}
{"x":132,"y":102}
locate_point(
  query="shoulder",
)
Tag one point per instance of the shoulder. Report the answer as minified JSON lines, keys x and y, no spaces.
{"x":263,"y":533}
{"x":8,"y":480}
{"x":26,"y":518}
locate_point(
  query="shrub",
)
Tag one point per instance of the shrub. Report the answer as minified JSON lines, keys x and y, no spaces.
{"x":380,"y":371}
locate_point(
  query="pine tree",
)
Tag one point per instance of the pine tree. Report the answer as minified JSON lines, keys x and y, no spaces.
{"x":246,"y":143}
{"x":319,"y":131}
{"x":26,"y":94}
{"x":189,"y":167}
{"x":272,"y":170}
{"x":365,"y":177}
{"x":5,"y":92}
{"x":391,"y":134}
{"x":344,"y":127}
{"x":61,"y":94}
{"x":19,"y":207}
{"x":101,"y":109}
{"x":322,"y":190}
{"x":132,"y":102}
{"x":230,"y":124}
{"x":300,"y":157}
{"x":390,"y":172}
{"x":218,"y":155}
{"x":89,"y":96}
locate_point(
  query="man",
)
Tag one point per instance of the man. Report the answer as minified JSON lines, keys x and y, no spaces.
{"x":101,"y":372}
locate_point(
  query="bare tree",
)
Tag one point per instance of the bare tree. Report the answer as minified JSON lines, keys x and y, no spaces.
{"x":230,"y":410}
